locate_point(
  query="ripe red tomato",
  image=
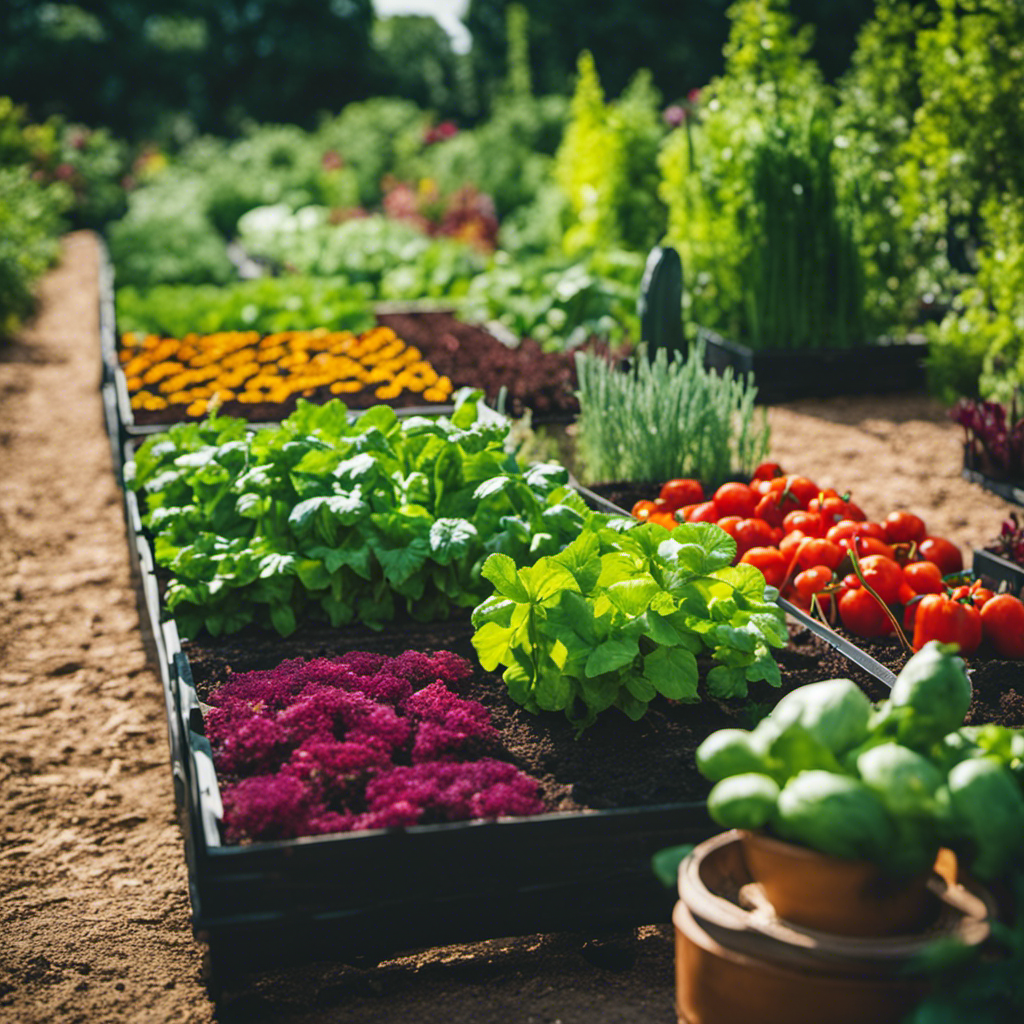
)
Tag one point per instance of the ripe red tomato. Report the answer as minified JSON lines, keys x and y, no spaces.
{"x":867,"y":546}
{"x":809,"y":522}
{"x":705,"y":512}
{"x":924,"y":578}
{"x":818,"y":551}
{"x":848,"y":527}
{"x":834,"y":509}
{"x":1002,"y":622}
{"x":903,"y":528}
{"x":812,"y":580}
{"x":643,"y":508}
{"x":772,"y":563}
{"x":802,"y":489}
{"x":774,"y":506}
{"x":941,"y":618}
{"x":753,"y":533}
{"x":945,"y":554}
{"x":729,"y":524}
{"x":862,"y":614}
{"x":883,"y":575}
{"x":735,"y":499}
{"x":680,"y":492}
{"x":767,"y":471}
{"x":789,"y":544}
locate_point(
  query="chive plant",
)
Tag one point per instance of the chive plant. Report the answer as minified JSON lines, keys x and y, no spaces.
{"x":656,"y":419}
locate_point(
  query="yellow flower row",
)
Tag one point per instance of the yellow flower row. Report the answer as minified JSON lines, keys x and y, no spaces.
{"x":246,"y":367}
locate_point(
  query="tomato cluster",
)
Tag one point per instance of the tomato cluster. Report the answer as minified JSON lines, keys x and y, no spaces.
{"x":822,"y":552}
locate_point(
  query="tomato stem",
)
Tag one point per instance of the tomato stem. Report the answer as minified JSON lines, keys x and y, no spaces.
{"x":855,"y":562}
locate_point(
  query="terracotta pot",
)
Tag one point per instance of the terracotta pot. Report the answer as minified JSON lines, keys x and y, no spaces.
{"x":832,"y":894}
{"x":717,"y":985}
{"x":737,"y":961}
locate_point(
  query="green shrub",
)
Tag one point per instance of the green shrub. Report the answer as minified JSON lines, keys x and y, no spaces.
{"x":30,"y":223}
{"x":607,"y":165}
{"x":373,"y":137}
{"x":978,"y":348}
{"x":266,"y":305}
{"x":752,"y":206}
{"x":874,"y":118}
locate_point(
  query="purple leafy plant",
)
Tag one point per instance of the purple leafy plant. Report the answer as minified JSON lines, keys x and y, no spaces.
{"x":357,"y":742}
{"x":1010,"y":542}
{"x":993,"y":437}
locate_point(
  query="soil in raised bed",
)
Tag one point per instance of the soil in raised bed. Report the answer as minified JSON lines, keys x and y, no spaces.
{"x":615,"y":763}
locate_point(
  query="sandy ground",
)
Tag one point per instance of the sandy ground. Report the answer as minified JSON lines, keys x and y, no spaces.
{"x":94,"y":913}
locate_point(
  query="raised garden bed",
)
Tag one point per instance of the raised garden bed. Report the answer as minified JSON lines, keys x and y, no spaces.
{"x":616,"y":795}
{"x":995,"y":571}
{"x":784,"y":375}
{"x":1009,"y":490}
{"x":523,"y":377}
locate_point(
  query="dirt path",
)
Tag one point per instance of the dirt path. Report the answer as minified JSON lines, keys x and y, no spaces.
{"x":94,"y":917}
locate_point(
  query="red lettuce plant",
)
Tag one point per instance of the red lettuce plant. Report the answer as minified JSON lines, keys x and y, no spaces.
{"x":357,"y":742}
{"x":993,"y":437}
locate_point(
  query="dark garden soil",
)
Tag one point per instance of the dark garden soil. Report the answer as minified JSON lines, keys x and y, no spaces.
{"x":94,"y":906}
{"x":614,"y":763}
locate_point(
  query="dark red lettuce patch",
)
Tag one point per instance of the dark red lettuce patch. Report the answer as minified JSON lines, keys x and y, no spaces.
{"x":357,"y":742}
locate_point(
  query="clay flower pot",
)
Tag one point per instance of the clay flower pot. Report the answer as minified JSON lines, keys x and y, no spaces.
{"x":832,"y":894}
{"x":738,"y":962}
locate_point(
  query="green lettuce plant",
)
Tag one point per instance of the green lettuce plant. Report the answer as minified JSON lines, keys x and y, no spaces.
{"x":620,"y":616}
{"x":329,"y":518}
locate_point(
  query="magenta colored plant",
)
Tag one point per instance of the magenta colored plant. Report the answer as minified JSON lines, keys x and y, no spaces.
{"x":450,"y":791}
{"x":335,"y":770}
{"x":449,"y":727}
{"x":993,"y":436}
{"x":267,"y":807}
{"x":320,"y":746}
{"x":1010,"y":542}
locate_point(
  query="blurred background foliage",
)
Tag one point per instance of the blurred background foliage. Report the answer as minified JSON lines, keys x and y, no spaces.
{"x":165,"y":69}
{"x":830,"y":173}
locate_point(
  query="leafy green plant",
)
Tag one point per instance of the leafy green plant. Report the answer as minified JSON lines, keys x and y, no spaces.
{"x":374,"y":137}
{"x":877,"y":100}
{"x":607,"y":165}
{"x":978,"y":348}
{"x":750,"y":189}
{"x":30,"y":223}
{"x":620,"y":616}
{"x":508,"y":156}
{"x":892,"y":782}
{"x":966,"y":144}
{"x":394,"y":257}
{"x":666,"y":418}
{"x":328,"y":518}
{"x":267,"y":305}
{"x":557,"y":302}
